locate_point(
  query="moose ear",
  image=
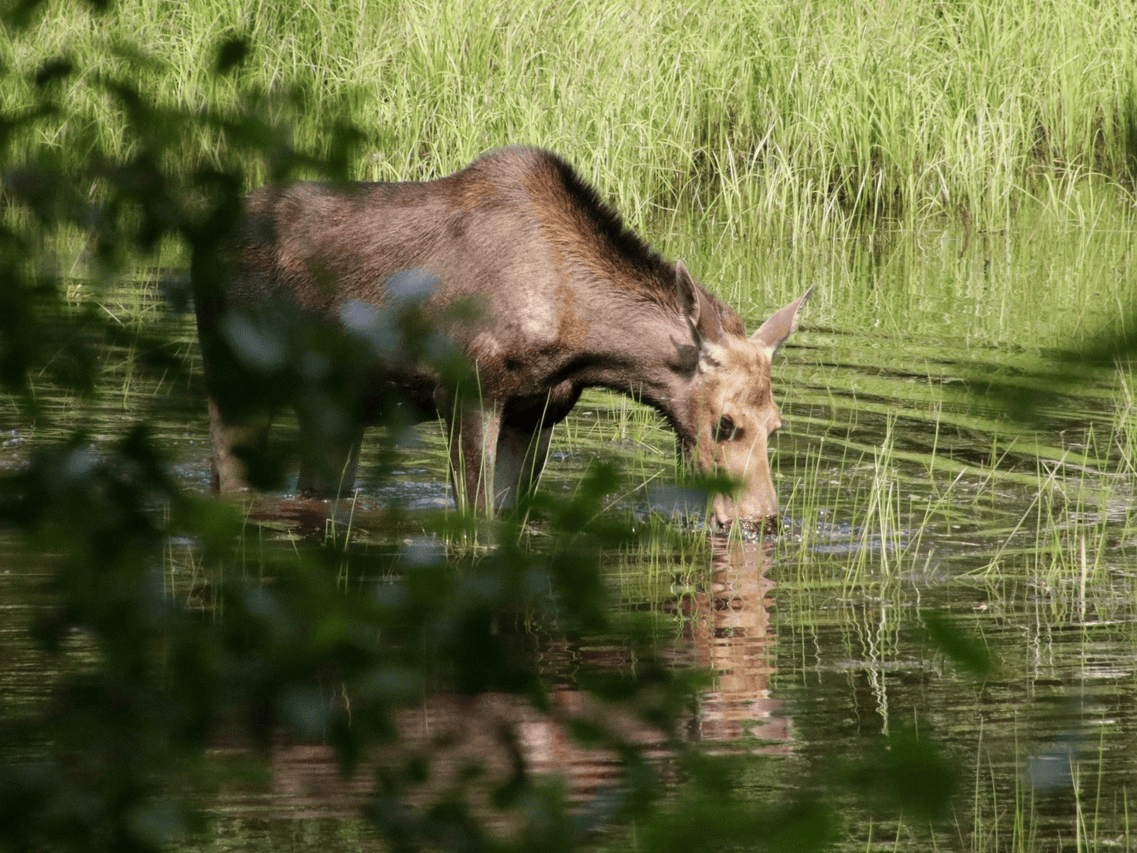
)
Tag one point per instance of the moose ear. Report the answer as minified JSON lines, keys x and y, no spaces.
{"x":694,"y":306}
{"x":773,"y":333}
{"x":688,"y":294}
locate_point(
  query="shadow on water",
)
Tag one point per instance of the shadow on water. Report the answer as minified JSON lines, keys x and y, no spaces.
{"x":900,"y":494}
{"x":475,"y":742}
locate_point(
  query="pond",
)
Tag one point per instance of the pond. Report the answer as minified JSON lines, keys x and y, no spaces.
{"x":910,"y":498}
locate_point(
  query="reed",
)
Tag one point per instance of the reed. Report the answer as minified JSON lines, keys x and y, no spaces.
{"x":772,"y":145}
{"x":777,"y":121}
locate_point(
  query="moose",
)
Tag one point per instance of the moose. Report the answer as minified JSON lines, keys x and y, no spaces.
{"x":565,"y":297}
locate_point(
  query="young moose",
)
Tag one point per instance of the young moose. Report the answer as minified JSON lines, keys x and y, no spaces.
{"x":567,"y":298}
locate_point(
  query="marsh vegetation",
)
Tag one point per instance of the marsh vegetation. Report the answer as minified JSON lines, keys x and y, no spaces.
{"x":952,"y":598}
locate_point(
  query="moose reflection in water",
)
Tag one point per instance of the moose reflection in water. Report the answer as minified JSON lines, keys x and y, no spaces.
{"x":474,"y":742}
{"x":728,"y":626}
{"x":560,"y":296}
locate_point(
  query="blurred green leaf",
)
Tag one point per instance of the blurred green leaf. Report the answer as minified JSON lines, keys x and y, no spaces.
{"x":958,"y":645}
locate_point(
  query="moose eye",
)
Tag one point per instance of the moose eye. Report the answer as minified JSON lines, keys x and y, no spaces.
{"x":725,"y":429}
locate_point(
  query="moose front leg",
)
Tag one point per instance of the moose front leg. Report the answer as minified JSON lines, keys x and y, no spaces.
{"x":474,"y":426}
{"x":523,"y":442}
{"x":521,"y":455}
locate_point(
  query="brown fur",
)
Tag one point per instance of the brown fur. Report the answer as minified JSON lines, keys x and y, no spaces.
{"x":569,"y":298}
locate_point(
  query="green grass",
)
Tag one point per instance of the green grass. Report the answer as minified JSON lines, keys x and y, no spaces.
{"x":771,"y":146}
{"x":779,"y":120}
{"x":957,"y":179}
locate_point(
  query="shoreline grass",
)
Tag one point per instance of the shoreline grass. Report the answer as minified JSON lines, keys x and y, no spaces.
{"x":788,"y":144}
{"x":776,"y":120}
{"x":771,"y":147}
{"x":773,"y":127}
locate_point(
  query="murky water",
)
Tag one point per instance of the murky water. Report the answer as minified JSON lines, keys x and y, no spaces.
{"x":902,"y":492}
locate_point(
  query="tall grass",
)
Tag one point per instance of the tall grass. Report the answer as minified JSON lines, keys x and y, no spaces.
{"x":780,"y":119}
{"x":735,"y":131}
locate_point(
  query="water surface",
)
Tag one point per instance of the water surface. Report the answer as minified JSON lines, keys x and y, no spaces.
{"x":904,"y":491}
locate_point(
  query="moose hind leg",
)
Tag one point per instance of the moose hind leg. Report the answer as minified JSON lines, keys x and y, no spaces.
{"x":329,"y":456}
{"x":229,"y":437}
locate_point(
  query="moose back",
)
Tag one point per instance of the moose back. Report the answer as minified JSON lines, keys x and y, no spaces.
{"x":565,"y":298}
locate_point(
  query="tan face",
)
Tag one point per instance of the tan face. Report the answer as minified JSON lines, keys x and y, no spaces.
{"x":730,"y":407}
{"x":736,"y":415}
{"x":728,"y":410}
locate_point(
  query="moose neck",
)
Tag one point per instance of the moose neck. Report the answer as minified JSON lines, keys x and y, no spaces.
{"x":650,"y":354}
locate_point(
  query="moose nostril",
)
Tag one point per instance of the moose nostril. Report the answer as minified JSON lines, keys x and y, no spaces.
{"x":725,"y":429}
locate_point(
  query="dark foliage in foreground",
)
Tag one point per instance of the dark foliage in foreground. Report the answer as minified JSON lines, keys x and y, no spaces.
{"x":99,"y":766}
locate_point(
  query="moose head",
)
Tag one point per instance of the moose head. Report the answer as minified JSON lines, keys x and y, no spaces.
{"x":730,"y":413}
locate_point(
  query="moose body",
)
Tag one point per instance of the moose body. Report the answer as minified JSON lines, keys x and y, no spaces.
{"x":566,"y":296}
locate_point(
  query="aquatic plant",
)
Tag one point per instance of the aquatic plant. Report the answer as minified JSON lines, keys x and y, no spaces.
{"x":788,"y":128}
